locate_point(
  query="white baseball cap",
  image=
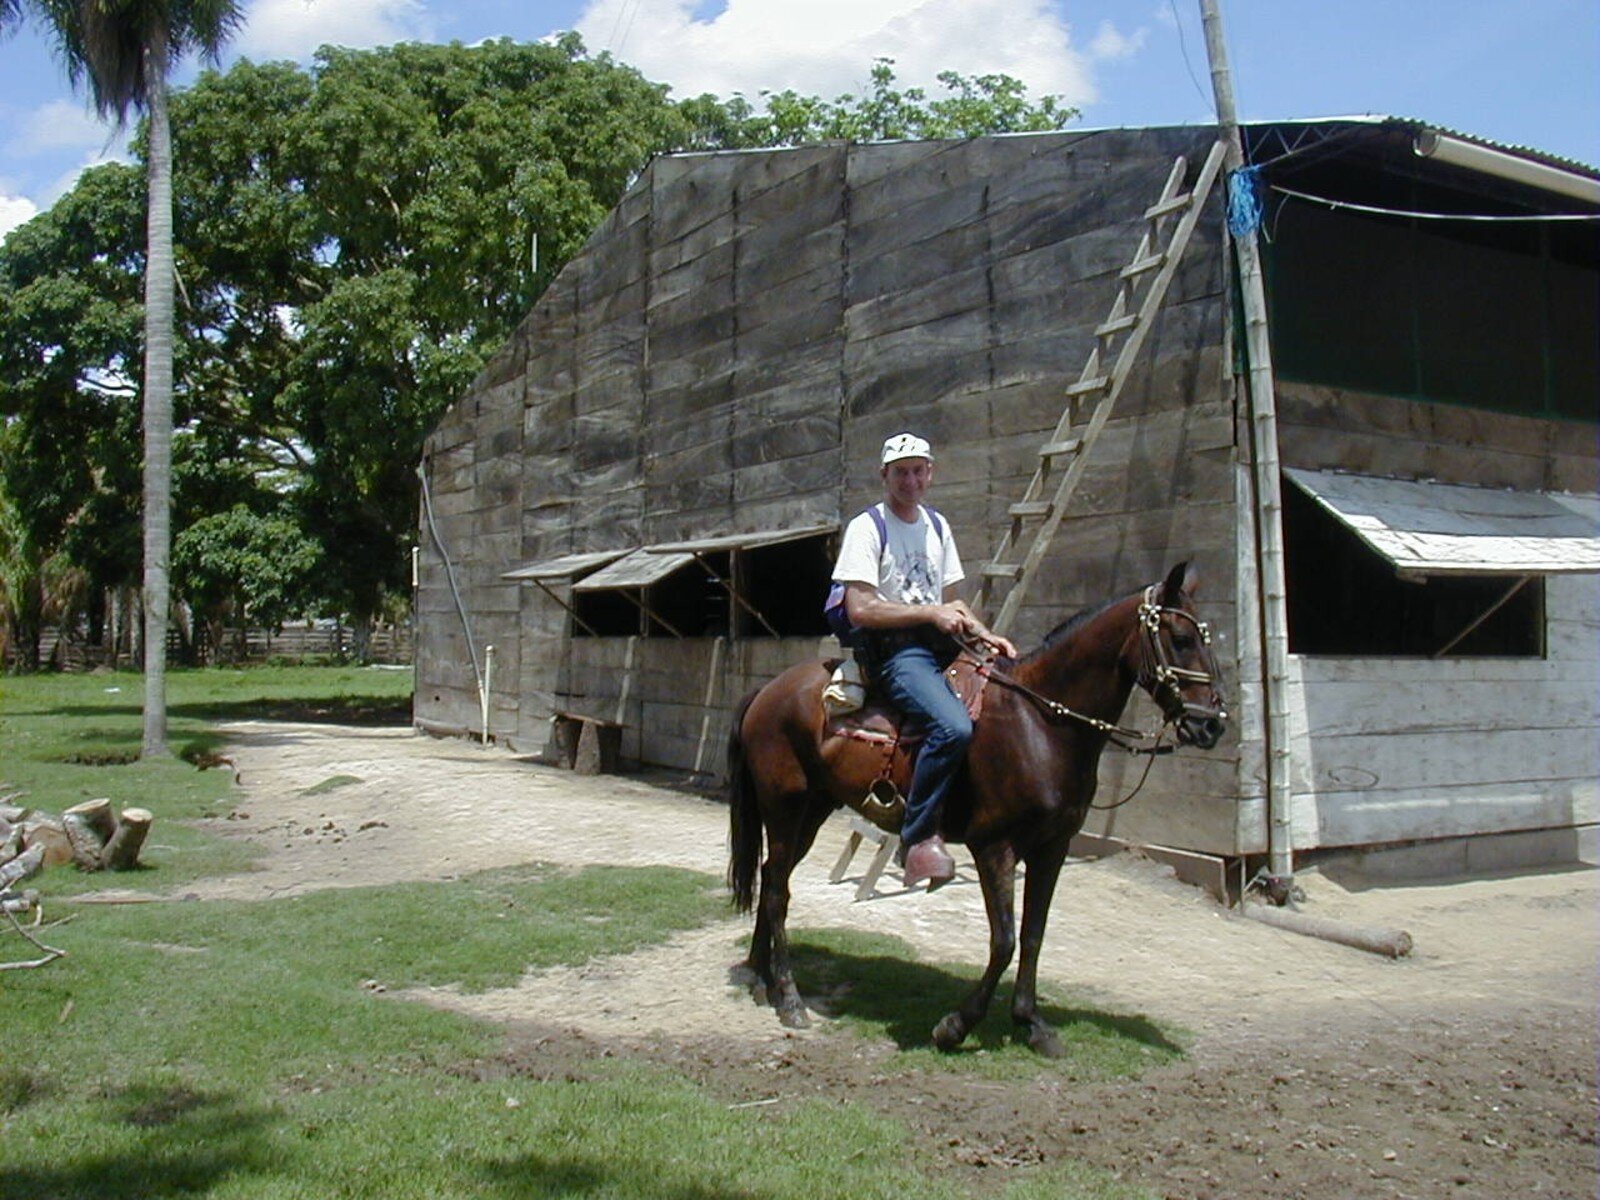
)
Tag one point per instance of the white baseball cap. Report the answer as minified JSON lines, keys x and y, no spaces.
{"x":906,"y":445}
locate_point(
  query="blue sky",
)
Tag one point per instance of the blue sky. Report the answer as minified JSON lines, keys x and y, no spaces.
{"x":1523,"y":73}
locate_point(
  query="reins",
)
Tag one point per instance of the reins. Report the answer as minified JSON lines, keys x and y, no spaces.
{"x":1158,"y":675}
{"x":1121,"y":736}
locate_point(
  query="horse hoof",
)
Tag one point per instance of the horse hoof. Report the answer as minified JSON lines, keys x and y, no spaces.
{"x":949,"y":1033}
{"x":794,"y":1018}
{"x":1045,"y":1042}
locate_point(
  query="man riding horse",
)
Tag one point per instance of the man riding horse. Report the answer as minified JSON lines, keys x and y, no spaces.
{"x":1029,"y":776}
{"x":899,"y":566}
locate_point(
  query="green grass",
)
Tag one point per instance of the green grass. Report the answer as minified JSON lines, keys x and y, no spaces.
{"x":237,"y":1050}
{"x":69,"y":738}
{"x":240,"y":1050}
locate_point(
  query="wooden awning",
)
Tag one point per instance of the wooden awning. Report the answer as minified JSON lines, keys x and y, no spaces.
{"x":630,"y":573}
{"x":568,"y":566}
{"x":640,"y":568}
{"x":742,"y":541}
{"x":1426,"y":528}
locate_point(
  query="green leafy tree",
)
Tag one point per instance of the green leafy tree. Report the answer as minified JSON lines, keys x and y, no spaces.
{"x":974,"y":105}
{"x":240,"y":568}
{"x":123,"y":49}
{"x":354,"y":240}
{"x":69,"y":328}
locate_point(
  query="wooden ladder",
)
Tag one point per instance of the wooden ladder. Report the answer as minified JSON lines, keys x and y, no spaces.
{"x":1118,"y":339}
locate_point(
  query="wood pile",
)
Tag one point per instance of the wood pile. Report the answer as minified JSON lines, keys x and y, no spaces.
{"x":27,"y":845}
{"x":89,"y":835}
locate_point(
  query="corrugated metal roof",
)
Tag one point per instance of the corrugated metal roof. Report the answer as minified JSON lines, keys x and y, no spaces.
{"x":1529,"y":152}
{"x":1428,"y":528}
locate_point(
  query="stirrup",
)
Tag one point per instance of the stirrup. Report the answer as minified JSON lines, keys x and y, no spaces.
{"x":883,"y":805}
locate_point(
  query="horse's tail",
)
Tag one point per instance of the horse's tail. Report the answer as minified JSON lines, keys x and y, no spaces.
{"x":744,"y":817}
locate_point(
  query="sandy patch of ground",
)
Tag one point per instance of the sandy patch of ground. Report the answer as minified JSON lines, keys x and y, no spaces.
{"x":1474,"y":1057}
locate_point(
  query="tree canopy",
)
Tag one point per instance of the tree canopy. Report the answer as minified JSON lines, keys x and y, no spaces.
{"x":353,"y":241}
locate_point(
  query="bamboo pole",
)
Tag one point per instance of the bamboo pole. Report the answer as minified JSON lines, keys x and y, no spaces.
{"x":1266,"y":489}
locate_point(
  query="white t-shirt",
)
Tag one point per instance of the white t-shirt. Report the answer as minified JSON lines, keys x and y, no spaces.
{"x":913,"y":568}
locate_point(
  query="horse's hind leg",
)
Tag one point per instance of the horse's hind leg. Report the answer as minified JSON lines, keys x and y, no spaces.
{"x":997,"y":871}
{"x":787,"y":843}
{"x":1044,"y":868}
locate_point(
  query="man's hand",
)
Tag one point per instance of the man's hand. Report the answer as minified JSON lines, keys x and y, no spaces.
{"x":972,"y":627}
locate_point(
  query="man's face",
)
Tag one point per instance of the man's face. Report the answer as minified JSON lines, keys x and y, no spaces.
{"x":906,"y":480}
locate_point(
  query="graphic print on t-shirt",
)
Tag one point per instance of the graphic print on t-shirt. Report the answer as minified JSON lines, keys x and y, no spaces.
{"x":912,"y":574}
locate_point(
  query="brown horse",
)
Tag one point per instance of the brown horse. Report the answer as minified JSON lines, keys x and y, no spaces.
{"x":1026,"y":788}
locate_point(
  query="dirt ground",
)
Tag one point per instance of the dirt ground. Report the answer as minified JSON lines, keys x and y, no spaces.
{"x":1313,"y":1070}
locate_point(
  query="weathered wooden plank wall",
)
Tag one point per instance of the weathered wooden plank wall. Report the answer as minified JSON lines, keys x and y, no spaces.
{"x":1393,"y":750}
{"x":733,"y":344}
{"x":736,"y":340}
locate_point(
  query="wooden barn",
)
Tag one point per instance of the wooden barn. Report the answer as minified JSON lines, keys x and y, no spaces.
{"x":637,"y":503}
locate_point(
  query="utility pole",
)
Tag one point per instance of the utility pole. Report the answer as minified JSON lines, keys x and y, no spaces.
{"x":1266,"y":488}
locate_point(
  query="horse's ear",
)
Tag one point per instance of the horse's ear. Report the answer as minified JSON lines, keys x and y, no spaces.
{"x":1184,"y":577}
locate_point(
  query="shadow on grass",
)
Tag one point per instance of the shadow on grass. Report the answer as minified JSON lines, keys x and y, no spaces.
{"x":883,"y":988}
{"x":336,"y":710}
{"x":185,"y":1143}
{"x":534,"y":1175}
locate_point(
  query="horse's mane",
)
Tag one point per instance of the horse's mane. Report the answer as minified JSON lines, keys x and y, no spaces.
{"x":1068,"y":627}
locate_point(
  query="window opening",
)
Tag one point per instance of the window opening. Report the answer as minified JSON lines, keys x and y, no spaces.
{"x":786,"y":584}
{"x":1346,"y":599}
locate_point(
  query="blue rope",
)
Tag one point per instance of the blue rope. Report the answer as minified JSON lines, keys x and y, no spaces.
{"x":1244,"y":201}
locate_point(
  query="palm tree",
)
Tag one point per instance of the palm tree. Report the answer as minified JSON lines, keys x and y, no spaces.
{"x":124,"y":49}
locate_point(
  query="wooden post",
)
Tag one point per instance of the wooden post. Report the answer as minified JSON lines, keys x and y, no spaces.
{"x":1268,"y":500}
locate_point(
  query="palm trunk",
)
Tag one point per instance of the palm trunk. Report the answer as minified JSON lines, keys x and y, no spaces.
{"x":158,"y":314}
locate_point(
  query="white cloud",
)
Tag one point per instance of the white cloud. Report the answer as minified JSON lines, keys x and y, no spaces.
{"x":14,"y":211}
{"x":1110,"y":44}
{"x":60,"y":125}
{"x":826,"y":47}
{"x":295,"y":28}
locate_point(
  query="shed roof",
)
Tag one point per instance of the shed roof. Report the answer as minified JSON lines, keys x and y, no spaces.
{"x":1429,"y":528}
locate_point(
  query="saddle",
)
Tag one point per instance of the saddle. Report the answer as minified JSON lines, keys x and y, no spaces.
{"x":879,"y":723}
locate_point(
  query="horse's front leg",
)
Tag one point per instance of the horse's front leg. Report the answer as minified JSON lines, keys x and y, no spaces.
{"x":1038,"y":889}
{"x":997,"y":871}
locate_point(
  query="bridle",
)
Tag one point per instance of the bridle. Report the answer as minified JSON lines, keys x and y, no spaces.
{"x":1158,"y":675}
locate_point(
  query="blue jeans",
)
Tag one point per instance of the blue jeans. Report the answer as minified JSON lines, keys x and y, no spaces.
{"x":912,"y":679}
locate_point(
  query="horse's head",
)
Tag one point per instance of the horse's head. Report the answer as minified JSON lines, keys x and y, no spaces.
{"x":1176,"y":665}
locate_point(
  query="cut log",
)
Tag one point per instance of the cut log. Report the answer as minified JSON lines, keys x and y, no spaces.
{"x":88,"y":847}
{"x":122,"y":851}
{"x":47,"y":832}
{"x":97,"y":816}
{"x":26,"y":865}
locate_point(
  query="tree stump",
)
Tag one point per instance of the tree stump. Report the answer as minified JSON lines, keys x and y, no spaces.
{"x":88,"y":847}
{"x":97,"y":815}
{"x":122,"y":850}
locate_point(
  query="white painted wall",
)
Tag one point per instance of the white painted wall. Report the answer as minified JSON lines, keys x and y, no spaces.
{"x":1389,"y":750}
